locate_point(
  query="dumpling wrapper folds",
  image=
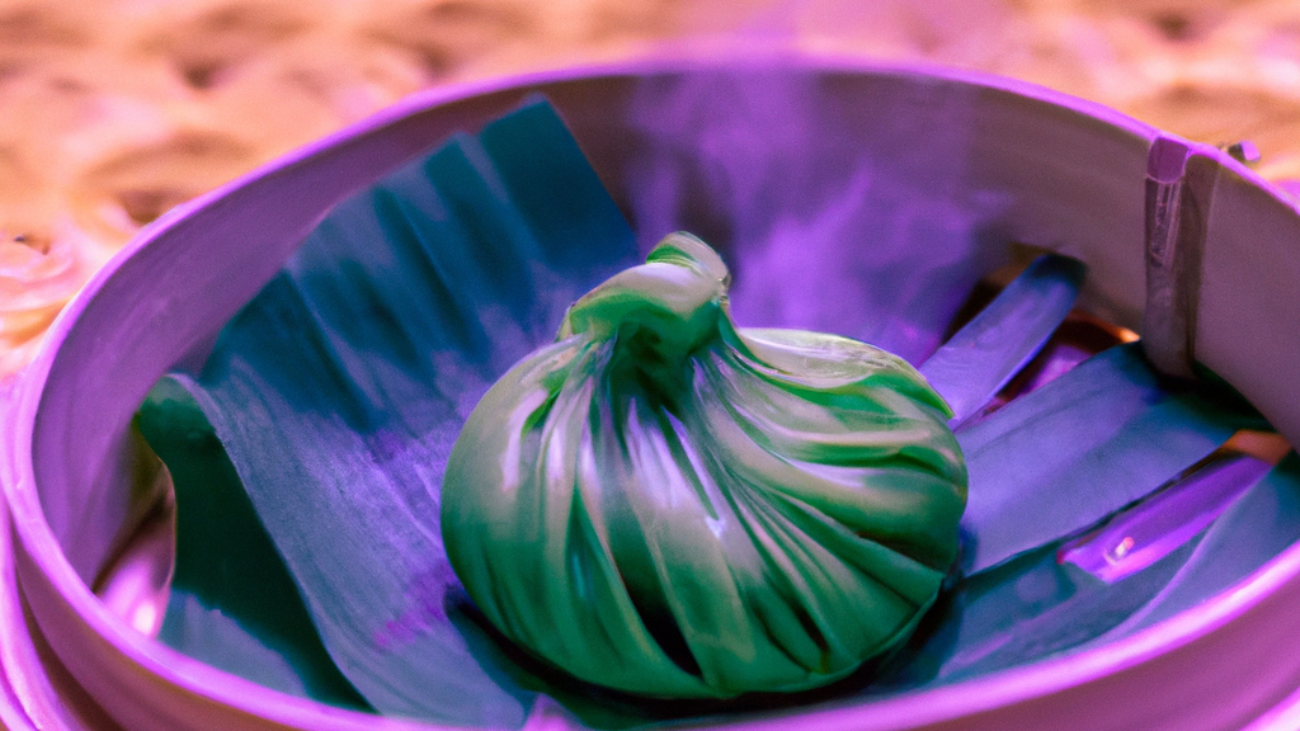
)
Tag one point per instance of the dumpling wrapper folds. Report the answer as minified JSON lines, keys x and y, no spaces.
{"x":666,"y":505}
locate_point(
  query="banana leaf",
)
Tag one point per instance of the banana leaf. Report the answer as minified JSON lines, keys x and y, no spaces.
{"x":1036,"y":606}
{"x":233,"y":603}
{"x":1255,"y":528}
{"x":1030,"y":608}
{"x":1060,"y":459}
{"x":1137,"y":538}
{"x":975,"y":363}
{"x":339,"y":390}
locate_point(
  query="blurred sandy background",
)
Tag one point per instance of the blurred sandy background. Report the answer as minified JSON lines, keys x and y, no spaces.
{"x":112,"y":111}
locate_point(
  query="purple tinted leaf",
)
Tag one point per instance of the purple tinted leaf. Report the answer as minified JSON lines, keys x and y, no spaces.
{"x":1138,"y":537}
{"x":1060,"y":459}
{"x":987,"y":352}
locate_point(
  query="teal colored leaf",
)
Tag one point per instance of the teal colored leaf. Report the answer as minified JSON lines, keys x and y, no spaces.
{"x":339,"y":390}
{"x":1253,"y":530}
{"x":1141,"y":535}
{"x":1060,"y":459}
{"x":1027,"y":609}
{"x":221,"y":640}
{"x":233,"y":604}
{"x":987,"y":352}
{"x":1036,"y":606}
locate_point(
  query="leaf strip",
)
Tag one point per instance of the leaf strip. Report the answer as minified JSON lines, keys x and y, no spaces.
{"x":1060,"y":459}
{"x":986,"y":353}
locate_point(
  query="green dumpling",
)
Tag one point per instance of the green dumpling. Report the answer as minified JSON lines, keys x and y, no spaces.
{"x":666,"y":505}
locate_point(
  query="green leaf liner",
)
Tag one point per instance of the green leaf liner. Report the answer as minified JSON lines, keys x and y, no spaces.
{"x":339,"y":390}
{"x":1253,"y":530}
{"x":1139,"y":536}
{"x":663,"y":505}
{"x":1029,"y":608}
{"x":1036,"y":606}
{"x":987,"y":352}
{"x":233,"y":604}
{"x":1060,"y":459}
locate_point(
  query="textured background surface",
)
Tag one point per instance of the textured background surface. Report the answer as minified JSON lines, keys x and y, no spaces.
{"x":112,"y":111}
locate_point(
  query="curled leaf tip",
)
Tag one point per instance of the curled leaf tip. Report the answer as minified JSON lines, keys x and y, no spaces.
{"x":667,"y":505}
